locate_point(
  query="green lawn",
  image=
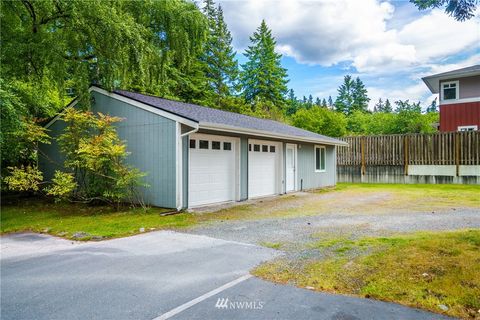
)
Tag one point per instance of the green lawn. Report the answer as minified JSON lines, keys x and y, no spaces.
{"x":58,"y":219}
{"x":426,"y":270}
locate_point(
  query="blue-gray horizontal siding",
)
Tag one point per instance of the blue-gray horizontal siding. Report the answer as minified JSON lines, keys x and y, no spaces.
{"x":50,"y":158}
{"x":307,"y":177}
{"x":151,"y":141}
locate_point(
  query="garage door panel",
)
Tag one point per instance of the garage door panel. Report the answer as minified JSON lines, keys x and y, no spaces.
{"x":263,"y":168}
{"x":212,"y":171}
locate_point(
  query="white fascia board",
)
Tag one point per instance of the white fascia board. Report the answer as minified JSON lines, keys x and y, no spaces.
{"x":70,"y":105}
{"x":261,"y":133}
{"x":146,"y":107}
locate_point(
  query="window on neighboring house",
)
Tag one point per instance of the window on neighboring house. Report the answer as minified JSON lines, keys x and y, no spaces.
{"x":203,"y":144}
{"x":468,"y":128}
{"x":227,"y":146}
{"x":272,"y":148}
{"x":264,"y":148}
{"x":320,"y":160}
{"x":256,"y":148}
{"x":450,"y":90}
{"x":192,"y":143}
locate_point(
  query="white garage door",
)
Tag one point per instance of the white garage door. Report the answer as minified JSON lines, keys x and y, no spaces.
{"x":213,"y":167}
{"x":263,"y":168}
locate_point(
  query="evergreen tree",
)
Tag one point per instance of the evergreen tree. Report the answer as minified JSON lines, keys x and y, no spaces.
{"x":292,"y":102}
{"x":360,"y":97}
{"x":352,"y":96}
{"x":406,"y":105}
{"x":324,"y":103}
{"x":318,"y":102}
{"x":387,"y":107}
{"x":379,"y":106}
{"x":344,"y":101}
{"x":310,"y":101}
{"x":433,"y":106}
{"x":330,"y":102}
{"x":221,"y":68}
{"x":263,"y":78}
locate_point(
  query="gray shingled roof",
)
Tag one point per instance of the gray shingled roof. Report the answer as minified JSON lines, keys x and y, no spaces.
{"x":224,"y":118}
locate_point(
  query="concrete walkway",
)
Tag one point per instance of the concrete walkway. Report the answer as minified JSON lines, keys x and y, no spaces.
{"x":160,"y":275}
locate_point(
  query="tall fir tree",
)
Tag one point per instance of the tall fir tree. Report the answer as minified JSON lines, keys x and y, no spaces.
{"x":360,"y":96}
{"x":318,"y":102}
{"x":292,"y":102}
{"x":310,"y":101}
{"x":221,"y":67}
{"x":324,"y":103}
{"x":344,"y":100}
{"x":263,"y":78}
{"x":379,"y":106}
{"x":352,"y":96}
{"x":330,"y":102}
{"x":387,"y":107}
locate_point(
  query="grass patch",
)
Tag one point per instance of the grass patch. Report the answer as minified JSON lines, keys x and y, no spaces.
{"x":424,"y":270}
{"x":272,"y":245}
{"x":67,"y":219}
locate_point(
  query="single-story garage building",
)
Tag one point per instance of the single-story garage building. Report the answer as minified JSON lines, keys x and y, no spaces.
{"x":195,"y":156}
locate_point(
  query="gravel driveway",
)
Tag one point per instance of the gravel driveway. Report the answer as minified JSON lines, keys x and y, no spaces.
{"x":350,"y":214}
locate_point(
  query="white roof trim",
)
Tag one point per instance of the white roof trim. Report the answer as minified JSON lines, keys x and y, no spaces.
{"x":268,"y":134}
{"x":70,"y":105}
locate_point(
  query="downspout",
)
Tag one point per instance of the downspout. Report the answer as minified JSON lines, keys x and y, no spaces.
{"x":181,"y":136}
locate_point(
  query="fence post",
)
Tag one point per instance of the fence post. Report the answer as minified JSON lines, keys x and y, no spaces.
{"x":405,"y":153}
{"x":362,"y":150}
{"x":457,"y":153}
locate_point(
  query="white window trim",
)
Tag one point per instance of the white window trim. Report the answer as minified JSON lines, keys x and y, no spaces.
{"x":474,"y":127}
{"x":457,"y":90}
{"x":315,"y":158}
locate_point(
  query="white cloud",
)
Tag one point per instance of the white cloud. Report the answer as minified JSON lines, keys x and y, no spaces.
{"x":331,"y":31}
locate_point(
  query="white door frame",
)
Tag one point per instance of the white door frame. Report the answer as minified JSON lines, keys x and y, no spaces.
{"x":236,"y":149}
{"x":295,"y":157}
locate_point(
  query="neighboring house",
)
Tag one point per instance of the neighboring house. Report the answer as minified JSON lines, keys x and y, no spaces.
{"x":195,"y":156}
{"x":459,"y":92}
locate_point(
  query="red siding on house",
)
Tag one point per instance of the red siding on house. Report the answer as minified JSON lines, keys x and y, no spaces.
{"x":459,"y":114}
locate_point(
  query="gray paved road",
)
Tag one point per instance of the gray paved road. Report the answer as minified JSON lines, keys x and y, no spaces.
{"x":146,"y":276}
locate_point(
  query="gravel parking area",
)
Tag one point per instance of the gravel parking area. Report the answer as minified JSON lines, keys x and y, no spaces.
{"x":353,"y":212}
{"x":303,"y":229}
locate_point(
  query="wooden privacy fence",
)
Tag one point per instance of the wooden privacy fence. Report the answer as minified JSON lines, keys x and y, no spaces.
{"x":448,"y":148}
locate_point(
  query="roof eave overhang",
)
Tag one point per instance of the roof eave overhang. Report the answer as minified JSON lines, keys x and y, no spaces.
{"x":433,"y":82}
{"x":267,"y":134}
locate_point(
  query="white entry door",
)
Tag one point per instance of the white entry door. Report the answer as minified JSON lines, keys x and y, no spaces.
{"x":213,"y":169}
{"x":291,"y":167}
{"x":263,"y":168}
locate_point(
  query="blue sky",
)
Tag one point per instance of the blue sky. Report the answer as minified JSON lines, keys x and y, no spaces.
{"x":390,"y":45}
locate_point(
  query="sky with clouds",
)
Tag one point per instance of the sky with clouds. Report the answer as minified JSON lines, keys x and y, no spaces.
{"x":390,"y":45}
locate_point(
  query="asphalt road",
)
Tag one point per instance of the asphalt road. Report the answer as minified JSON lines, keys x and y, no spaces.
{"x":160,"y":275}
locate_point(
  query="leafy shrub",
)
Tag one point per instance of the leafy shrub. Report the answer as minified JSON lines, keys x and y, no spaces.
{"x":63,"y":185}
{"x":24,"y":178}
{"x":95,"y":161}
